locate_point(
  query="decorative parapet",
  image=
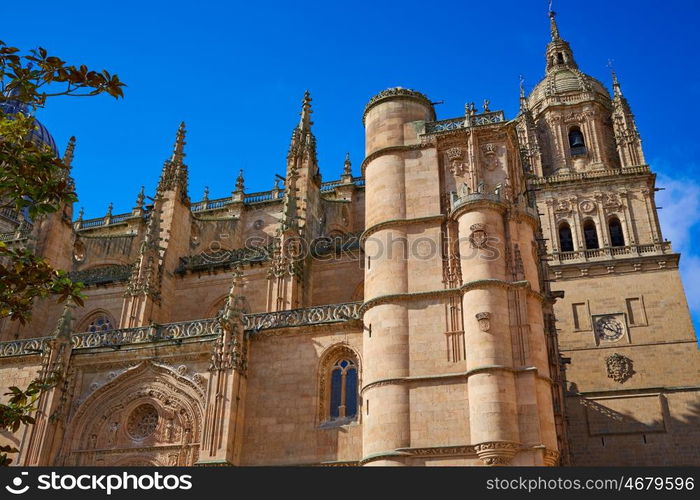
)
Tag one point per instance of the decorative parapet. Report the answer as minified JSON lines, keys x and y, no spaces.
{"x":332,"y":313}
{"x":596,"y":174}
{"x":102,"y":275}
{"x":223,"y":258}
{"x":22,"y":234}
{"x":461,"y":122}
{"x":607,"y":253}
{"x":23,"y":347}
{"x":394,"y":93}
{"x":103,"y":221}
{"x":210,"y":327}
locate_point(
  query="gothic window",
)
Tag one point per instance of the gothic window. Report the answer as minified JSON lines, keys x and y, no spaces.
{"x":339,"y":388}
{"x":566,"y":241}
{"x":98,"y":322}
{"x":617,"y":239}
{"x":590,"y":235}
{"x":577,"y":145}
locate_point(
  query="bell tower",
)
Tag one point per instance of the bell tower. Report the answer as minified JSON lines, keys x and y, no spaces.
{"x":624,"y":321}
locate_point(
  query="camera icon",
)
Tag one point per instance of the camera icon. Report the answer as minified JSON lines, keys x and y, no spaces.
{"x":17,"y":482}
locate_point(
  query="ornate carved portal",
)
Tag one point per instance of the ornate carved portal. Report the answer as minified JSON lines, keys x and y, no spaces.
{"x":148,"y":415}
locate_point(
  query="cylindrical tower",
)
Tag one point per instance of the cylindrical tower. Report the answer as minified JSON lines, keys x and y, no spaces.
{"x":390,"y":132}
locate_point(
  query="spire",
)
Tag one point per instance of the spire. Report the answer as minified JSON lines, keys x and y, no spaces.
{"x":68,"y":155}
{"x":553,"y":28}
{"x":179,"y":147}
{"x":523,"y":99}
{"x":174,"y":174}
{"x":305,"y":121}
{"x":559,"y":54}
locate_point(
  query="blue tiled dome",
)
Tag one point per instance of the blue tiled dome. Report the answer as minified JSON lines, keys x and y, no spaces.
{"x":40,"y":134}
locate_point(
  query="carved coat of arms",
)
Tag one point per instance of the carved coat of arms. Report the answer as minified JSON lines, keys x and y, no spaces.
{"x":619,"y":368}
{"x":478,"y":236}
{"x":484,"y":320}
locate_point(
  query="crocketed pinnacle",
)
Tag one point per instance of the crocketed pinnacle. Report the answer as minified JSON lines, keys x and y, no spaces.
{"x":179,"y":147}
{"x":347,"y":168}
{"x":70,"y":149}
{"x":305,"y":120}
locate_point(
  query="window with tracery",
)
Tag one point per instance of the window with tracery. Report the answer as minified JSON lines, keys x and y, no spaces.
{"x":142,"y":421}
{"x":99,"y":322}
{"x":339,"y":387}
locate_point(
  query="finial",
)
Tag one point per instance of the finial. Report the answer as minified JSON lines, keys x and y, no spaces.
{"x":522,"y":87}
{"x":206,"y":193}
{"x":81,"y":213}
{"x":617,"y":91}
{"x":469,"y":109}
{"x":141,"y":197}
{"x":109,"y":209}
{"x":179,"y":148}
{"x":239,"y":182}
{"x":68,"y":155}
{"x":347,"y":170}
{"x":305,"y":121}
{"x":554,"y":30}
{"x":277,"y":185}
{"x":486,"y":106}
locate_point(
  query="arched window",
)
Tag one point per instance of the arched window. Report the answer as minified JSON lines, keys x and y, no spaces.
{"x":98,"y":322}
{"x":617,"y":239}
{"x":566,"y":241}
{"x":560,"y":58}
{"x":343,"y":390}
{"x":339,"y":387}
{"x":577,"y":145}
{"x":590,"y":235}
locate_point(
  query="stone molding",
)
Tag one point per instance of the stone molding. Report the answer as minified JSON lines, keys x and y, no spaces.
{"x":388,"y":224}
{"x":391,"y":150}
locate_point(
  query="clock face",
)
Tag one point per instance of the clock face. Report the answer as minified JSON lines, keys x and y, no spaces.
{"x":608,"y":328}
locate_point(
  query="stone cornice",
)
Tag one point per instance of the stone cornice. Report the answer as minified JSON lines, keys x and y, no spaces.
{"x":396,"y":93}
{"x":453,"y":376}
{"x":391,"y":150}
{"x":471,"y":285}
{"x":388,"y":224}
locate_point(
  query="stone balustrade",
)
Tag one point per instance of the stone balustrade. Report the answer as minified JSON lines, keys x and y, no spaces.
{"x":169,"y":332}
{"x":606,"y":253}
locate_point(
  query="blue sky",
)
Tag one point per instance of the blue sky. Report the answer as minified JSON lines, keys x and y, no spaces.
{"x":235,"y":72}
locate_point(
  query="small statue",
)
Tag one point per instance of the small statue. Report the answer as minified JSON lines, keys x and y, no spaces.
{"x":486,"y":105}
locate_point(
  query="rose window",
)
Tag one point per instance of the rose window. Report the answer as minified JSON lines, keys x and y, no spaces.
{"x":142,"y":421}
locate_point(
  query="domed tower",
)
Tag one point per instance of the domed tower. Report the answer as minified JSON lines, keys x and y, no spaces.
{"x":623,"y":321}
{"x":572,"y":112}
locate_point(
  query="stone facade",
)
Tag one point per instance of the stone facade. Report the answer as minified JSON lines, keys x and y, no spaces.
{"x":423,"y":313}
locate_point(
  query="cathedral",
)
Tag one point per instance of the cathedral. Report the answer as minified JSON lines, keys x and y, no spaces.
{"x":489,"y":291}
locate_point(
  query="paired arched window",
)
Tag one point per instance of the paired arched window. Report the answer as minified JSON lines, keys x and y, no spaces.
{"x":98,"y":322}
{"x":339,"y":387}
{"x":566,"y":240}
{"x":577,"y":145}
{"x":617,"y":238}
{"x":590,"y":235}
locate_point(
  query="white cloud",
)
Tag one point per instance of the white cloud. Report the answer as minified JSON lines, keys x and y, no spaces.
{"x":680,"y":223}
